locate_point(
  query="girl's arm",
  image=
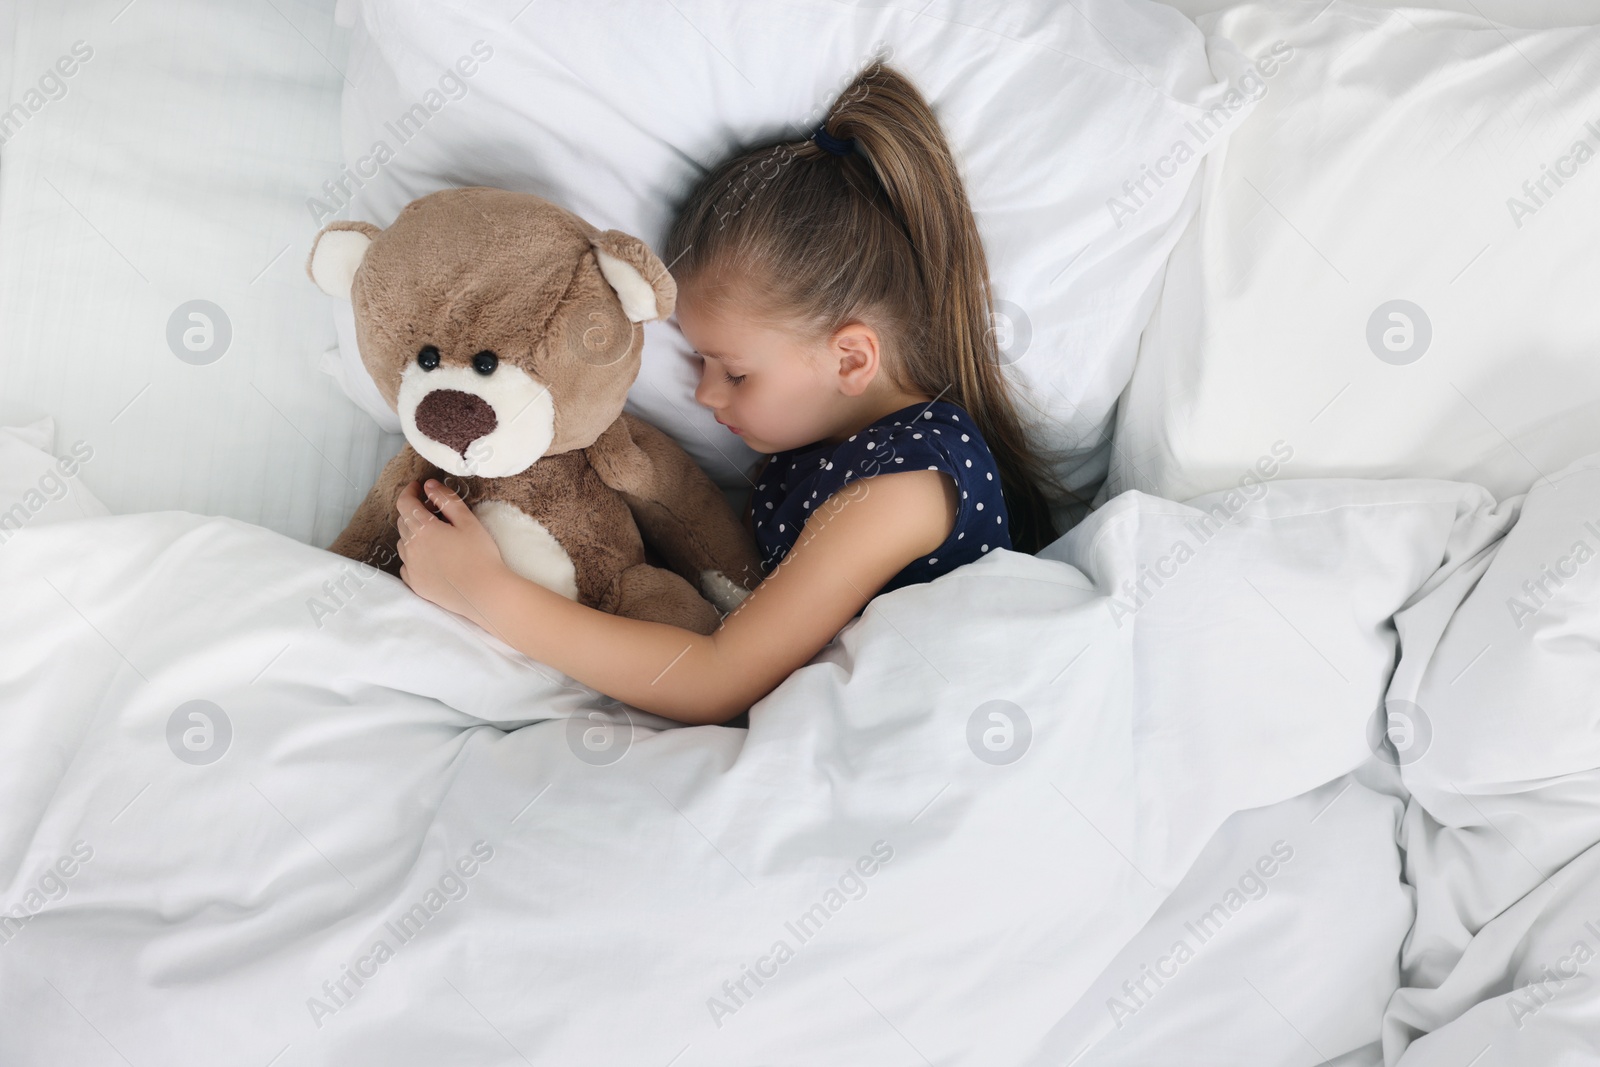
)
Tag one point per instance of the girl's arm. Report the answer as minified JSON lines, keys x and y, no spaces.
{"x":849,"y":549}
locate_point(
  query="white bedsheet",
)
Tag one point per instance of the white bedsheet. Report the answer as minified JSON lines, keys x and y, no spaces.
{"x":1494,"y":715}
{"x":367,"y":753}
{"x":174,"y":164}
{"x":1502,"y":836}
{"x":1281,"y":945}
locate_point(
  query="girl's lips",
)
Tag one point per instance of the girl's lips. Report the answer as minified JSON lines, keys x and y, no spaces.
{"x":735,"y":429}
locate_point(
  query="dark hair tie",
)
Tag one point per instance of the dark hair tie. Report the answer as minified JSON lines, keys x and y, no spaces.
{"x":833,"y":144}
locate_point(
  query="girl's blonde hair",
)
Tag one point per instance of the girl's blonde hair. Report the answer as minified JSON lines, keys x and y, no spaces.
{"x":883,"y":235}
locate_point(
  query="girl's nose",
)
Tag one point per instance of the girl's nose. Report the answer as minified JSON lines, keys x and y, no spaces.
{"x":703,"y":391}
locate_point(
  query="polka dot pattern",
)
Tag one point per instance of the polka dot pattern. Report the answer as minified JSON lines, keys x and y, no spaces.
{"x":930,"y":436}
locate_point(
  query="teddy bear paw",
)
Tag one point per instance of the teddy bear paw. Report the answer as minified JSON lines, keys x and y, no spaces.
{"x":722,"y":591}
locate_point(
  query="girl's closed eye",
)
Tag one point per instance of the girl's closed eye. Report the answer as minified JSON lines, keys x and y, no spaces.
{"x":734,"y":378}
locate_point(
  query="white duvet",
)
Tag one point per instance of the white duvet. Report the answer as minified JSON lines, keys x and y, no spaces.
{"x":1503,"y":834}
{"x":259,"y":808}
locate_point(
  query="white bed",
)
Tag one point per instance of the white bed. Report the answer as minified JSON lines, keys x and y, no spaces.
{"x":176,"y":166}
{"x":980,"y":822}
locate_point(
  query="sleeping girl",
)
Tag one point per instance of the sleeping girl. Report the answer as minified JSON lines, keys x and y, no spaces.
{"x":836,"y":293}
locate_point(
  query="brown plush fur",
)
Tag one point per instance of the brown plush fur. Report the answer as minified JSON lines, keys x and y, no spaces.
{"x":474,"y":270}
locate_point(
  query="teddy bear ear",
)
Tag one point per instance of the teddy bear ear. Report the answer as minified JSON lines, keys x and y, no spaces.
{"x":638,"y":276}
{"x":337,"y":253}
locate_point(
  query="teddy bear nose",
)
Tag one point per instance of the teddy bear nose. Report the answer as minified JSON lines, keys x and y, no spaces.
{"x":454,"y":418}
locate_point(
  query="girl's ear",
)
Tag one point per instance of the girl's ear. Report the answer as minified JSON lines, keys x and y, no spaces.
{"x":638,"y":276}
{"x":337,"y":253}
{"x":855,"y":346}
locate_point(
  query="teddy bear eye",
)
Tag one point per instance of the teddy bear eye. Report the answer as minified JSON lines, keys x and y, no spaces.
{"x":485,"y":362}
{"x":428,"y":358}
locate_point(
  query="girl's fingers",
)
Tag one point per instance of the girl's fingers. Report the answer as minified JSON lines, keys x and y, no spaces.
{"x":400,"y":507}
{"x":451,"y":504}
{"x":413,"y":514}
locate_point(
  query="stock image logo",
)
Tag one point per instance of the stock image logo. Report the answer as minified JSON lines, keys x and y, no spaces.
{"x":1253,"y":884}
{"x":398,"y":931}
{"x":999,"y":732}
{"x":50,"y":86}
{"x":451,"y":85}
{"x":199,"y":732}
{"x":1399,"y":732}
{"x":1399,"y":332}
{"x":600,"y":737}
{"x":751,"y":978}
{"x":600,"y":338}
{"x":48,"y":887}
{"x":1012,"y":331}
{"x":199,"y":332}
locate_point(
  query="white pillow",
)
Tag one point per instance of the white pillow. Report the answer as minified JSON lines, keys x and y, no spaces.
{"x":1386,"y":162}
{"x":614,"y":110}
{"x":37,"y":488}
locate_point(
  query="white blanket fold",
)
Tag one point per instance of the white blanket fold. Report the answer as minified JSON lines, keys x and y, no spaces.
{"x":1501,"y":675}
{"x":929,"y":843}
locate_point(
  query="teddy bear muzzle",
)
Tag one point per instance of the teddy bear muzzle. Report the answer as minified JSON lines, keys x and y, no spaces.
{"x":476,"y":424}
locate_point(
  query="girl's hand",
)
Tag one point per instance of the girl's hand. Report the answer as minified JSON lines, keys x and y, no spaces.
{"x":449,"y":560}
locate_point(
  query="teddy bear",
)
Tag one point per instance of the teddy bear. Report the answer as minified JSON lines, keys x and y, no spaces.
{"x":505,"y":332}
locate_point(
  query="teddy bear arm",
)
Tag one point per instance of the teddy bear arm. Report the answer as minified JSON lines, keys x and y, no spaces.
{"x":677,"y":508}
{"x":372,"y":535}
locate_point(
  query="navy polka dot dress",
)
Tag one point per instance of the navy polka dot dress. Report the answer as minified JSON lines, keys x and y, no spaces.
{"x":935,"y":435}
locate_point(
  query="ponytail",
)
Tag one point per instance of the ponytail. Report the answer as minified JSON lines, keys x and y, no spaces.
{"x":883,"y":234}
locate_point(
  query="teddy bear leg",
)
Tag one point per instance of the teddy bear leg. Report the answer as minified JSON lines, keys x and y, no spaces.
{"x":368,"y":541}
{"x":657,"y":595}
